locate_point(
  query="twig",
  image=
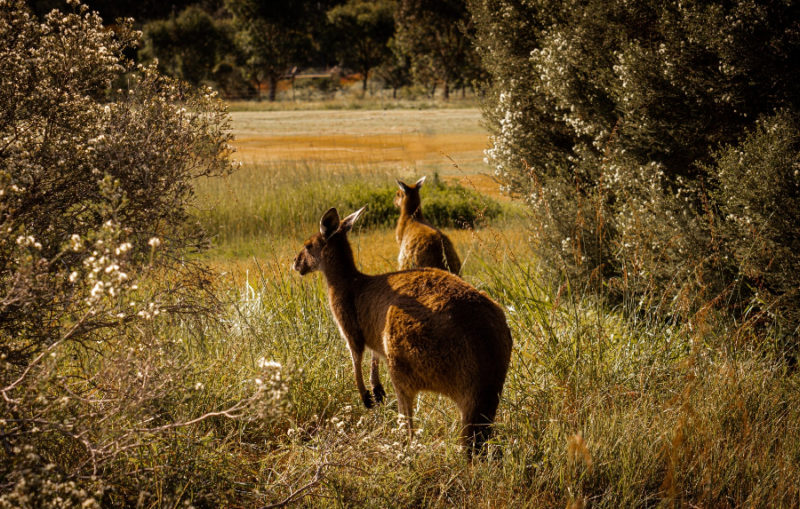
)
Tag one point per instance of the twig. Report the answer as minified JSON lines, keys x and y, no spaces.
{"x":296,"y":494}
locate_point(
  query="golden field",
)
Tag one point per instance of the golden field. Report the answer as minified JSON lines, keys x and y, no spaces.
{"x":409,"y":143}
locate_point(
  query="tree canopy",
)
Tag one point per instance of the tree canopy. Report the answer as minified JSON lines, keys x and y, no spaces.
{"x":611,"y":119}
{"x":365,"y":28}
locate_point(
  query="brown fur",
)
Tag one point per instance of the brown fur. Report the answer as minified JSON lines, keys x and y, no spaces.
{"x":435,"y":331}
{"x":421,"y":245}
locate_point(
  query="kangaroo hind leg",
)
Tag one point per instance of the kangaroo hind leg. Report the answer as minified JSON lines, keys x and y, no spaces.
{"x":375,"y":380}
{"x":477,"y":419}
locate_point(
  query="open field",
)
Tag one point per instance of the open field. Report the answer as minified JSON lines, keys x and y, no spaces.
{"x":405,"y":143}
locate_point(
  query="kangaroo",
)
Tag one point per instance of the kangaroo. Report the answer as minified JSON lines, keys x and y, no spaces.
{"x":435,"y":331}
{"x":421,"y":245}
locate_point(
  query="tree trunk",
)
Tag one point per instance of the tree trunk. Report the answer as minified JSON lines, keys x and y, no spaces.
{"x":364,"y":75}
{"x":446,"y":91}
{"x":273,"y":88}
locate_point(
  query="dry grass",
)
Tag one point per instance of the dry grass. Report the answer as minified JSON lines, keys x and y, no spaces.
{"x":600,"y":408}
{"x":413,"y":142}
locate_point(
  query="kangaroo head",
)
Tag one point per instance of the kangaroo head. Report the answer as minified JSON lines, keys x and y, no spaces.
{"x":312,"y":256}
{"x":407,"y":197}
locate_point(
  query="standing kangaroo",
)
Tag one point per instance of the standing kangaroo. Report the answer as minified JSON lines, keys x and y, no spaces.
{"x":436,"y":332}
{"x":421,"y":245}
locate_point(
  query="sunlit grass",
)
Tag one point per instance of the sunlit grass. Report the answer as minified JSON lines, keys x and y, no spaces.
{"x":596,"y":409}
{"x":255,"y":211}
{"x":601,"y":407}
{"x":354,"y":101}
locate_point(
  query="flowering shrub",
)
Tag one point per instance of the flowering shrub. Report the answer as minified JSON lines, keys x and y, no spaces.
{"x":758,"y":193}
{"x":606,"y":119}
{"x":94,"y":186}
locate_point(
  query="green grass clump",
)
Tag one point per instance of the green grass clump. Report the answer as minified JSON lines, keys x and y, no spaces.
{"x":280,"y":199}
{"x":457,"y":206}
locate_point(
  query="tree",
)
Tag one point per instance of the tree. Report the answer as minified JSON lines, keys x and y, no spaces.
{"x":606,"y":116}
{"x":436,"y":36}
{"x":395,"y":71}
{"x":95,"y":187}
{"x":141,"y":10}
{"x":364,"y":28}
{"x":188,"y":46}
{"x":272,"y":37}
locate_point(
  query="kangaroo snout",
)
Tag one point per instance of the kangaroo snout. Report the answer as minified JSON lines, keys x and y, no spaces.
{"x":296,"y":265}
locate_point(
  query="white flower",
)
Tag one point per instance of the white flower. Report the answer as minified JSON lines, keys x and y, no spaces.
{"x":154,"y":242}
{"x":26,"y":241}
{"x":264,"y":363}
{"x":123,"y":248}
{"x":97,"y":290}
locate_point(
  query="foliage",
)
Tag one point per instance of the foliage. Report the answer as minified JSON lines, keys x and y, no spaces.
{"x":94,"y":229}
{"x":606,"y":119}
{"x":435,"y":36}
{"x":365,"y":27}
{"x":395,"y":71}
{"x":757,"y":189}
{"x":188,"y":46}
{"x":272,"y":37}
{"x":141,"y":10}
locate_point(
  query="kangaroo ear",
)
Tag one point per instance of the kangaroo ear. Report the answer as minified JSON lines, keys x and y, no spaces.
{"x":403,"y":187}
{"x":347,"y":222}
{"x":329,"y":223}
{"x":419,"y":183}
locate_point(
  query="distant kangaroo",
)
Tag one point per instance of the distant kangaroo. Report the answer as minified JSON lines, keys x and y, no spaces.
{"x":435,"y":331}
{"x":421,"y":245}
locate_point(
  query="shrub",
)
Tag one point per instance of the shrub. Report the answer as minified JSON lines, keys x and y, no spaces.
{"x":81,"y":160}
{"x":94,"y":185}
{"x":758,"y":196}
{"x":606,"y":119}
{"x":444,"y":205}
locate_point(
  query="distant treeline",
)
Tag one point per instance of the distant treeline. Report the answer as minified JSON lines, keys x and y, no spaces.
{"x":241,"y":47}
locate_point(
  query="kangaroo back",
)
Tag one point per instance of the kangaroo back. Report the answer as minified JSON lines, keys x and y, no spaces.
{"x":439,"y":334}
{"x":421,"y":244}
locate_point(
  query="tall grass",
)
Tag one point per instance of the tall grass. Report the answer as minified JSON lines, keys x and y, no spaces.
{"x":601,"y":407}
{"x":597,"y":409}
